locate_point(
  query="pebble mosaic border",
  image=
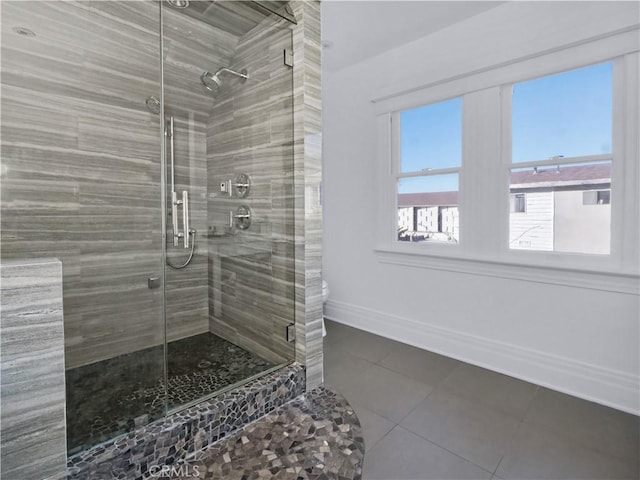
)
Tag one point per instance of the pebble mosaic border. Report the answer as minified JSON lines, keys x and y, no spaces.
{"x":180,"y":435}
{"x":317,"y":436}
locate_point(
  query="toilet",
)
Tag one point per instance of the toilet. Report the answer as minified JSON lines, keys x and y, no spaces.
{"x":325,"y":297}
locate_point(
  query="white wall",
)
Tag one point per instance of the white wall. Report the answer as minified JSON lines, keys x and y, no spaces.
{"x":576,"y":340}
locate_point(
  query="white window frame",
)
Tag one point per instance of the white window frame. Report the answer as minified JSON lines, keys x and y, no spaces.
{"x":484,"y":223}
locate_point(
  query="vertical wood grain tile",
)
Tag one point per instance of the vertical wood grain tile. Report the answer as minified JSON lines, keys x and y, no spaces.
{"x":308,"y":176}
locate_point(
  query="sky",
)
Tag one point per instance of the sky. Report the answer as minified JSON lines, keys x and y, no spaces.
{"x":568,"y":114}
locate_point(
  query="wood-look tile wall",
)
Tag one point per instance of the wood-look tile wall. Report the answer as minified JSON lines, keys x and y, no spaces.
{"x":308,"y":179}
{"x":81,"y":162}
{"x":250,"y":131}
{"x":32,"y":382}
{"x":81,"y":174}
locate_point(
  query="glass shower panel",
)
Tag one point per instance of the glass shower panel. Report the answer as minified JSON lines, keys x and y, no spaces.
{"x":81,"y":182}
{"x":228,"y":94}
{"x":187,"y":44}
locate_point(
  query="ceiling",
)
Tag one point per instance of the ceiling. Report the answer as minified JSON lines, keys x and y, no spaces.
{"x":235,"y":17}
{"x":353,"y":31}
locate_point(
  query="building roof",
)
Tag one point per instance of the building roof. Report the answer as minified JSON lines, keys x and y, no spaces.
{"x":430,"y":199}
{"x":530,"y":178}
{"x":568,"y":175}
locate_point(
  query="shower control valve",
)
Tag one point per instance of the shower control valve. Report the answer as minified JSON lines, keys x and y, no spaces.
{"x":242,"y":217}
{"x":242,"y":185}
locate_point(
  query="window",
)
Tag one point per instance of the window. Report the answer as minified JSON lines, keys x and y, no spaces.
{"x":428,"y":174}
{"x":518,"y":203}
{"x":562,"y":130}
{"x":596,"y":197}
{"x":504,"y":170}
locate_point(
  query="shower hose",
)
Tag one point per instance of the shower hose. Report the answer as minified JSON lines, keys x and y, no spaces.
{"x":192,"y":231}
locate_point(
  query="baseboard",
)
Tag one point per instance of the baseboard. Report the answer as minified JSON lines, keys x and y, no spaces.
{"x":615,"y":389}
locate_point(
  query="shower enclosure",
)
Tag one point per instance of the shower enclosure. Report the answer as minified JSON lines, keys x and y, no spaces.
{"x":149,"y":146}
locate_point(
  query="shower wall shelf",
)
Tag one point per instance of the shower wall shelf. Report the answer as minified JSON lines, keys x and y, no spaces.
{"x":213,"y":232}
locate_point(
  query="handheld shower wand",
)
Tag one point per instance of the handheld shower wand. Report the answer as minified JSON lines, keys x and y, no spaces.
{"x":175,"y":203}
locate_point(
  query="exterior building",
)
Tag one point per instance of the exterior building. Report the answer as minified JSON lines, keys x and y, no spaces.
{"x":565,"y":209}
{"x":428,"y":216}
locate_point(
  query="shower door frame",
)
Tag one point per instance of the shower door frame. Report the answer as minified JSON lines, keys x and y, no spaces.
{"x":163,"y":211}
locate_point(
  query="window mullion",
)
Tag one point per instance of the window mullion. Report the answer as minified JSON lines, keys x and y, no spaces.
{"x":480,"y":192}
{"x":626,"y":169}
{"x":506,"y":94}
{"x":386,"y":202}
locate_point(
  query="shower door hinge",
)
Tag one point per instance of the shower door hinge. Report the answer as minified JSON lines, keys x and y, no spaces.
{"x":291,"y":332}
{"x":288,"y":57}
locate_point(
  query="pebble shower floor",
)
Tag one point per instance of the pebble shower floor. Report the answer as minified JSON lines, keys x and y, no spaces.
{"x":112,"y":397}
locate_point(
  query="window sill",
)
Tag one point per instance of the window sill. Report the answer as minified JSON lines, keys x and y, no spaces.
{"x":589,"y":278}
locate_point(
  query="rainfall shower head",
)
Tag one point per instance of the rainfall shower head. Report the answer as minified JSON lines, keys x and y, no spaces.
{"x":213,"y":82}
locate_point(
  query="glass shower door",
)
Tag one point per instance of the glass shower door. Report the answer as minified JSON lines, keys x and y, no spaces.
{"x":228,"y":111}
{"x":185,"y":46}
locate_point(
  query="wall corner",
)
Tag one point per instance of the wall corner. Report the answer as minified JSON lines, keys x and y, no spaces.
{"x":307,"y":178}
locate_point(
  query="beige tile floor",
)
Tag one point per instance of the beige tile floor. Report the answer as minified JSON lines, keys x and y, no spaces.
{"x":425,"y":416}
